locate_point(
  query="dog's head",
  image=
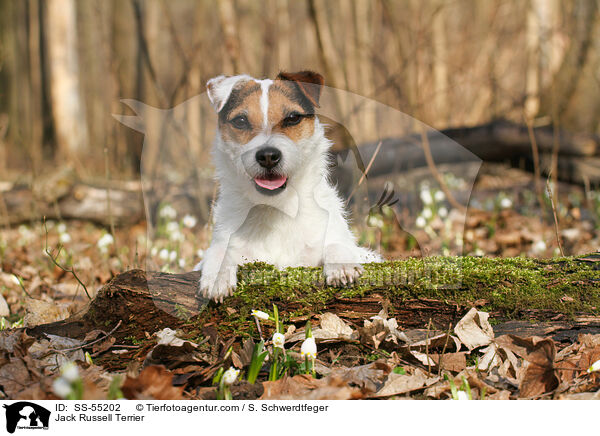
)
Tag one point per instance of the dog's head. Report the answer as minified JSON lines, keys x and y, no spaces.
{"x":267,"y":128}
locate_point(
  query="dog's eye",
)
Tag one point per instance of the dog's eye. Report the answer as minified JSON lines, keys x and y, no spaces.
{"x":292,"y":119}
{"x":240,"y":122}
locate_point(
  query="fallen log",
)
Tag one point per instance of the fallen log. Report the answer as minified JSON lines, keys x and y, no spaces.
{"x":497,"y":141}
{"x":412,"y":290}
{"x":63,"y":196}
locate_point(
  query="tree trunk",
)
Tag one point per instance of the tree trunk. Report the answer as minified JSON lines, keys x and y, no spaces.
{"x":67,"y":105}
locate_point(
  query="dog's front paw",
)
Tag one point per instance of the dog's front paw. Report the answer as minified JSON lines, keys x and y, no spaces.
{"x":218,"y":286}
{"x":342,"y":274}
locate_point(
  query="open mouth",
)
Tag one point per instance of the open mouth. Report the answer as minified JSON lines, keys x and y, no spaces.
{"x":270,"y":184}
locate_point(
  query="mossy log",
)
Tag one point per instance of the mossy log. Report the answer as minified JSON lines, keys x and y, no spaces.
{"x":414,"y":291}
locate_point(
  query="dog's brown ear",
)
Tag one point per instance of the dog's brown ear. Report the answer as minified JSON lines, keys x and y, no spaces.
{"x":308,"y":82}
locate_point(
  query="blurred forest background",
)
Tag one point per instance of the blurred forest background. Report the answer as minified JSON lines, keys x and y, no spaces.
{"x":460,"y":66}
{"x":64,"y":64}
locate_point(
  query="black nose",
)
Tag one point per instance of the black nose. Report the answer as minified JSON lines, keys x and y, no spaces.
{"x":268,"y":157}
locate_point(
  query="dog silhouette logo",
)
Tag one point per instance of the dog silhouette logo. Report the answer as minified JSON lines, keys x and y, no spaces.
{"x":26,"y":415}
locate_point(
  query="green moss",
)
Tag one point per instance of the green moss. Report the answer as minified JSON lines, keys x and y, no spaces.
{"x":509,"y":285}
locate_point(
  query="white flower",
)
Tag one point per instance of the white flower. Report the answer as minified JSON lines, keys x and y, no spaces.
{"x":69,"y":372}
{"x":439,"y":196}
{"x":64,"y":238}
{"x":278,"y":340}
{"x":595,"y":367}
{"x":189,"y":221}
{"x":539,"y":247}
{"x":154,"y":251}
{"x":443,"y":212}
{"x":200,"y":253}
{"x":309,"y":348}
{"x":462,"y":395}
{"x":181,"y":263}
{"x":61,"y":387}
{"x":15,"y":280}
{"x":163,"y":254}
{"x":260,"y":314}
{"x":106,"y":240}
{"x":26,"y":234}
{"x":421,"y":222}
{"x":426,"y":196}
{"x":230,"y":375}
{"x":177,"y":236}
{"x":505,"y":203}
{"x":172,"y":256}
{"x":427,"y":213}
{"x":168,"y":212}
{"x":62,"y":228}
{"x":172,"y":226}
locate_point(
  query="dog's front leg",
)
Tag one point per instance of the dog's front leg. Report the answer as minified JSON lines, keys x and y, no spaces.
{"x":219,"y":272}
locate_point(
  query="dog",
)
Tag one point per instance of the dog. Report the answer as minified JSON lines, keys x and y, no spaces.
{"x":275,"y":203}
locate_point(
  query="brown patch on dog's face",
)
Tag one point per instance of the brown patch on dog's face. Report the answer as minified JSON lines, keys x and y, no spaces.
{"x":287,"y":115}
{"x":241,"y":117}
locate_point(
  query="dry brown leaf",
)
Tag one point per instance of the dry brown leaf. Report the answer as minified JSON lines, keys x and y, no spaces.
{"x":500,"y":395}
{"x":381,"y":330}
{"x":18,"y":370}
{"x":43,"y":312}
{"x":332,"y":329}
{"x":368,"y":377}
{"x":397,"y":384}
{"x":537,"y":375}
{"x":54,"y":351}
{"x":244,"y":357}
{"x":454,"y":362}
{"x":4,"y":309}
{"x":336,"y":328}
{"x":153,"y":383}
{"x":304,"y":387}
{"x":474,"y":330}
{"x":173,"y":352}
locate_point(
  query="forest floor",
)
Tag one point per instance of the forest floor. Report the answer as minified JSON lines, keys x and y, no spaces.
{"x":518,"y":328}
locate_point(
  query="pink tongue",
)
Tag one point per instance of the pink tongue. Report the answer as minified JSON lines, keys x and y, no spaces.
{"x":271,"y":184}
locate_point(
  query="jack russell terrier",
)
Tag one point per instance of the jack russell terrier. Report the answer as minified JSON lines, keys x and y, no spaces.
{"x":275,"y":202}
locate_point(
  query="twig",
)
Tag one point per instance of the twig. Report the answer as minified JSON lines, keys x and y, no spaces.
{"x":444,"y":350}
{"x":108,"y":203}
{"x":364,"y":176}
{"x":550,"y":195}
{"x":436,"y":174}
{"x":427,"y":348}
{"x":259,"y":329}
{"x":21,"y":285}
{"x":94,"y":341}
{"x":54,"y":261}
{"x":536,"y":162}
